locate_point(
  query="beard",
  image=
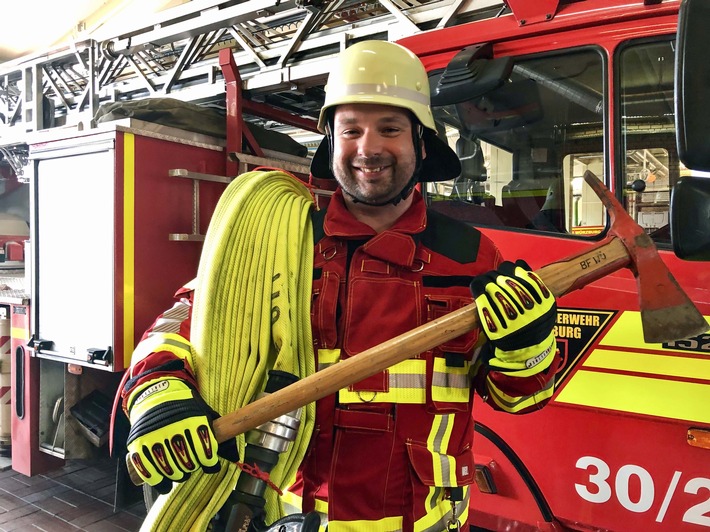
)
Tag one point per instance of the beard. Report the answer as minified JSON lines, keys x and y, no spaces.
{"x":382,"y":186}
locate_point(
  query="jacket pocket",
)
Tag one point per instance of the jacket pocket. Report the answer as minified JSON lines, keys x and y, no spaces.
{"x":441,"y":470}
{"x":379,"y":308}
{"x":324,"y":304}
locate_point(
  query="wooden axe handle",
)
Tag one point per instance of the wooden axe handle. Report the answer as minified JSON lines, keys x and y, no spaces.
{"x":560,"y":277}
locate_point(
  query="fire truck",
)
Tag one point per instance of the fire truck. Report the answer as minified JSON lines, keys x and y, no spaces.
{"x":532,"y":95}
{"x":580,"y":86}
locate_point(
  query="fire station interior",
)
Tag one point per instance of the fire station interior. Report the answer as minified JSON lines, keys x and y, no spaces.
{"x":163,"y":92}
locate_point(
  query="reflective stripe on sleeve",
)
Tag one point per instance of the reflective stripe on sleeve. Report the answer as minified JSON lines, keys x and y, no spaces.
{"x":512,"y":404}
{"x":170,"y":342}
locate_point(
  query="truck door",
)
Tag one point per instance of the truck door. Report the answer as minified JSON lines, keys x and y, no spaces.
{"x":610,"y":452}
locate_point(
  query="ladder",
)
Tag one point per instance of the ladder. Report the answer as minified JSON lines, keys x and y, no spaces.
{"x":283,"y":49}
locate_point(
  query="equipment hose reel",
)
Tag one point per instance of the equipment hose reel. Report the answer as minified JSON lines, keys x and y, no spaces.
{"x":251,"y":316}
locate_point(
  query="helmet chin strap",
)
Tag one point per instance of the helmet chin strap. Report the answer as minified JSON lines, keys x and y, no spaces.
{"x":417,"y":134}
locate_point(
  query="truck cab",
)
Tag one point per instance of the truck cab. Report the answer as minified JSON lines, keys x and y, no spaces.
{"x":532,"y":99}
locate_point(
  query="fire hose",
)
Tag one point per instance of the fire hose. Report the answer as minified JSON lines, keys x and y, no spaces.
{"x":251,"y":316}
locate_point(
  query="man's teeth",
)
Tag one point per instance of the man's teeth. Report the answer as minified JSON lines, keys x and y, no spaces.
{"x":372,"y":170}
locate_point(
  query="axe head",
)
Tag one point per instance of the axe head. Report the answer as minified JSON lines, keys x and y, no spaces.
{"x":667,"y":313}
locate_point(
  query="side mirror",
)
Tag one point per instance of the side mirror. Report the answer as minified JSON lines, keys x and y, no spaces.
{"x":692,"y":84}
{"x":690,"y":197}
{"x":471,"y":73}
{"x":690,"y":218}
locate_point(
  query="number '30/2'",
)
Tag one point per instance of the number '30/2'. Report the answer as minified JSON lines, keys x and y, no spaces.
{"x":600,"y":478}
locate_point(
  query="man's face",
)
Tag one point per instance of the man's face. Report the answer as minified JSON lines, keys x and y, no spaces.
{"x":373,"y":153}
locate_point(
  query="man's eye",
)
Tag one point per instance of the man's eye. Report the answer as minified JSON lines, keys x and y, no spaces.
{"x":348,"y":132}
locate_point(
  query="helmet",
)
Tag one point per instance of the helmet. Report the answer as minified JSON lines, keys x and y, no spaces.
{"x":379,"y":72}
{"x":386,"y":73}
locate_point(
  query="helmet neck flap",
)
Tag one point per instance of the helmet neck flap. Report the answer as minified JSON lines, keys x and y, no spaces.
{"x":386,"y":73}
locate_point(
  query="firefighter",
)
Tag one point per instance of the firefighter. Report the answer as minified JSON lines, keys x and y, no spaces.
{"x":393,"y":452}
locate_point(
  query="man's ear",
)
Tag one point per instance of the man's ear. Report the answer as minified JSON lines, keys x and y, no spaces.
{"x":420,"y":135}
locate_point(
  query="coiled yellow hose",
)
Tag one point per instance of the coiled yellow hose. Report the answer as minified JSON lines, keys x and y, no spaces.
{"x":251,"y":314}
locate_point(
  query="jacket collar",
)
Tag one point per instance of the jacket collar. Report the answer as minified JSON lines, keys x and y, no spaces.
{"x":339,"y":222}
{"x":397,"y":245}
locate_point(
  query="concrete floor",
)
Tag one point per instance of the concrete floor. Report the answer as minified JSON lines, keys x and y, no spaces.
{"x":83,"y":495}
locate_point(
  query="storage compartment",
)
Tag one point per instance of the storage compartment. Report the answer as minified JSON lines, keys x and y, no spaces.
{"x":93,"y":416}
{"x":76,"y":249}
{"x":74,"y":410}
{"x":103,"y":261}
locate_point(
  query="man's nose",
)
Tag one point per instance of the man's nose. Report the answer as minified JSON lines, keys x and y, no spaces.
{"x":370,"y":143}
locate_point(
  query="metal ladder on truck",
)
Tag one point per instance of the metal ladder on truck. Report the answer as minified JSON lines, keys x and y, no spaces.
{"x":283,"y":51}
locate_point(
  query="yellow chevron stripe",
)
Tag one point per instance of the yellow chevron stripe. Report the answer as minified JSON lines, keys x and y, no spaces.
{"x":627,"y":332}
{"x":670,"y":365}
{"x":129,"y":176}
{"x":640,"y":395}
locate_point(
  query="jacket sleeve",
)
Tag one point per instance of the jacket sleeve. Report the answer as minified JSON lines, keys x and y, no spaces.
{"x":164,"y":350}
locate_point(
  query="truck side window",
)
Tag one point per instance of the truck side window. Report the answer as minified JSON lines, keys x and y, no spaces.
{"x":524,"y":147}
{"x":650,"y":166}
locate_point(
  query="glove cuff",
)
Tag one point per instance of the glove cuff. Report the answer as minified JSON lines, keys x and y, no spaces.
{"x":150,"y":387}
{"x":528,"y":361}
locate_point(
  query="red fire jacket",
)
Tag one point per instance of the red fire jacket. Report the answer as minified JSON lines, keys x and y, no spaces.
{"x":393,"y":452}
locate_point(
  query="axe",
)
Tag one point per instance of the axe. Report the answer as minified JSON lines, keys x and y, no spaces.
{"x":667,"y":313}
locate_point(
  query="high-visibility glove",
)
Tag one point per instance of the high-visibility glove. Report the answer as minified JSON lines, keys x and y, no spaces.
{"x":517,"y":313}
{"x":170,"y":434}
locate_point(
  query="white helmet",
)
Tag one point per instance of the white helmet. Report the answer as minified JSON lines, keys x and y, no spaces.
{"x":386,"y":73}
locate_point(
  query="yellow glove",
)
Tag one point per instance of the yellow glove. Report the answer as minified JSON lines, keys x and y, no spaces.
{"x":170,"y":432}
{"x":517,"y":313}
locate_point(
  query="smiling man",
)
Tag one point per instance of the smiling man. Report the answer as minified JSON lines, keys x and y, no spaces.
{"x":373,"y":163}
{"x":374,"y":160}
{"x":394,"y":452}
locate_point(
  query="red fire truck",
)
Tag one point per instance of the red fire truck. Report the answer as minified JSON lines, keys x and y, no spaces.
{"x":543,"y":91}
{"x":532,"y":99}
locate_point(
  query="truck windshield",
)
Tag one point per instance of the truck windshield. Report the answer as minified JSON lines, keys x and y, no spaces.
{"x":525,"y":146}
